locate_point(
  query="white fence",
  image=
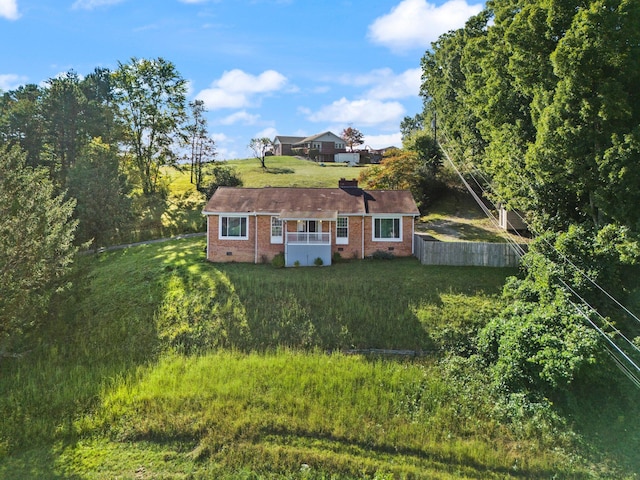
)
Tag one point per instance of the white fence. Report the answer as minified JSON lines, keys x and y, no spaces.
{"x":477,"y":254}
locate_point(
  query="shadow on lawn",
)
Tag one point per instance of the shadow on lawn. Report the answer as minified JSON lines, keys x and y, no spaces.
{"x":279,"y":171}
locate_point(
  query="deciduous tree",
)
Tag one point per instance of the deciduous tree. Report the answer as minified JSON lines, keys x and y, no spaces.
{"x":151,"y":96}
{"x":202,"y":149}
{"x":260,"y":147}
{"x":352,"y":137}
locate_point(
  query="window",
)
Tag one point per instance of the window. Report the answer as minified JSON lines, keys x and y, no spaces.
{"x":342,"y":230}
{"x":276,"y":230}
{"x":234,"y":228}
{"x":387,"y":229}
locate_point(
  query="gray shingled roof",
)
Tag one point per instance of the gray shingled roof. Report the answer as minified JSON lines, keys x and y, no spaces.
{"x":288,"y":140}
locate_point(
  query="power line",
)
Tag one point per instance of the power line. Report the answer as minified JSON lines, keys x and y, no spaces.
{"x":609,"y":343}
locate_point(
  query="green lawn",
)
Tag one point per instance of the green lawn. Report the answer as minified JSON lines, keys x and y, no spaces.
{"x":158,"y":364}
{"x":292,"y":172}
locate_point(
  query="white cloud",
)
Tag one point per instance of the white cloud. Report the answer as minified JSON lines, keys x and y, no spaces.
{"x":239,"y":117}
{"x":268,"y":132}
{"x":219,"y":137}
{"x":9,"y":9}
{"x":235,"y":88}
{"x":417,"y":23}
{"x":238,"y":81}
{"x":386,"y":84}
{"x":91,"y":4}
{"x":216,"y":98}
{"x":359,"y":112}
{"x":383,"y":141}
{"x":11,"y":82}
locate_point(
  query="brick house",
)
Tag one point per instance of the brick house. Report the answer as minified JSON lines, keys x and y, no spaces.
{"x":255,"y":224}
{"x":324,"y":146}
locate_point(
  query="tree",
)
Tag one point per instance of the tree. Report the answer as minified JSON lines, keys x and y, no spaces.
{"x":21,"y":121}
{"x":352,"y":137}
{"x":100,"y":109}
{"x":202,"y":148}
{"x":103,"y":207}
{"x":151,"y":95}
{"x":36,"y":244}
{"x":593,"y":112}
{"x":221,"y":176}
{"x":63,"y":105}
{"x":447,"y":99}
{"x":427,"y":150}
{"x":410,"y":125}
{"x":260,"y":147}
{"x":403,"y":169}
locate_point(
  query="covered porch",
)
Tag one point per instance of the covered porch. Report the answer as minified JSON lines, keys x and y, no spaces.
{"x":308,"y":237}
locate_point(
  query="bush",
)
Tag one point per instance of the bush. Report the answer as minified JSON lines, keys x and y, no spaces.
{"x":278,"y":260}
{"x":382,"y":255}
{"x":318,"y":262}
{"x":337,"y":258}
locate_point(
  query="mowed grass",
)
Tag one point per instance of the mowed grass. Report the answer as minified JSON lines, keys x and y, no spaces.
{"x":161,"y":365}
{"x":292,"y":172}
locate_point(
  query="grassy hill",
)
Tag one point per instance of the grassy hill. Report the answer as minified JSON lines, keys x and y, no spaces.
{"x":292,"y":172}
{"x":160,"y":365}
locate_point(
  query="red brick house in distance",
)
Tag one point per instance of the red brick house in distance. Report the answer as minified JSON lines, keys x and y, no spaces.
{"x":255,"y":224}
{"x":326,"y":144}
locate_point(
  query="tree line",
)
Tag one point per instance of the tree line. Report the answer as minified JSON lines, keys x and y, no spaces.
{"x":104,"y":138}
{"x":81,"y":161}
{"x":538,"y":100}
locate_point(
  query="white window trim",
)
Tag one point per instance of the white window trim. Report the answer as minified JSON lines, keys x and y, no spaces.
{"x":277,"y":238}
{"x":226,"y":237}
{"x":342,"y":240}
{"x":385,"y":217}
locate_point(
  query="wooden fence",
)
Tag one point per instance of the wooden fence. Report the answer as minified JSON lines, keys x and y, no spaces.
{"x":477,"y":254}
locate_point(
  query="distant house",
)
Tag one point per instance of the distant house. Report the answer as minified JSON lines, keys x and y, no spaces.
{"x":376,"y":155}
{"x":321,"y":147}
{"x":255,"y":224}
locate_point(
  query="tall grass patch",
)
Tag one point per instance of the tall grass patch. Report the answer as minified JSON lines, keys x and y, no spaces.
{"x":274,"y":412}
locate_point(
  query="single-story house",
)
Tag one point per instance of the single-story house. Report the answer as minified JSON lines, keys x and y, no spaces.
{"x":322,"y":146}
{"x":255,"y":224}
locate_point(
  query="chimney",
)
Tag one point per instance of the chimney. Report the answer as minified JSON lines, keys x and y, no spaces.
{"x":343,"y":183}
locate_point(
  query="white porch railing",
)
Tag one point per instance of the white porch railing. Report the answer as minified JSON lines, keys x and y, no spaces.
{"x":315,"y":238}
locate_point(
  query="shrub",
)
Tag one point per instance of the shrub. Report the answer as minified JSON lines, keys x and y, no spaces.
{"x":318,"y":262}
{"x":337,"y":258}
{"x":278,"y":260}
{"x":382,"y":255}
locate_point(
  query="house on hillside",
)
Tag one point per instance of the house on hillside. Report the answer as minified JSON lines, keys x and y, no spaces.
{"x":321,"y":147}
{"x":255,"y":224}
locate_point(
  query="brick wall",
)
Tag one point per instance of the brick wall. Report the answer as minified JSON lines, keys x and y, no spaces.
{"x":244,"y":250}
{"x":398,"y":249}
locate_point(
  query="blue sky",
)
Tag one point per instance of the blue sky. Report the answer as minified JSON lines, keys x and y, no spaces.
{"x":262,"y":67}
